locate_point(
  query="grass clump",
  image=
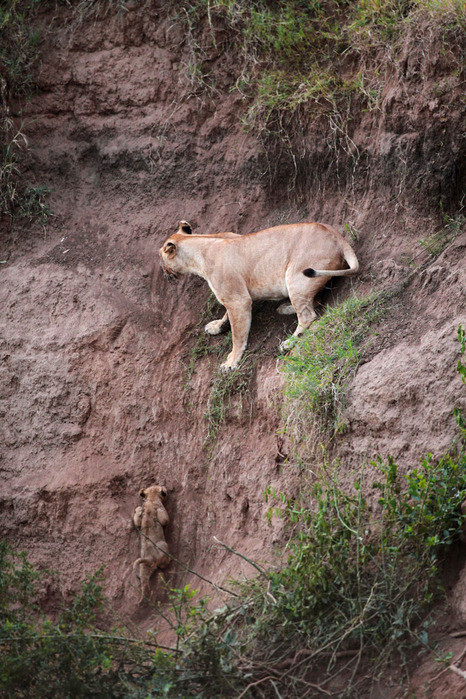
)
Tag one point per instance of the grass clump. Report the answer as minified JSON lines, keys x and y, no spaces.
{"x":227,"y":387}
{"x":436,"y":242}
{"x":204,"y":344}
{"x":323,"y":363}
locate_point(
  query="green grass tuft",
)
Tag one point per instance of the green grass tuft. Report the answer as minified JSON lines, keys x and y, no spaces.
{"x":323,"y":363}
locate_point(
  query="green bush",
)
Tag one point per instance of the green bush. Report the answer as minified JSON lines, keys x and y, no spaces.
{"x":68,"y":658}
{"x":368,"y":577}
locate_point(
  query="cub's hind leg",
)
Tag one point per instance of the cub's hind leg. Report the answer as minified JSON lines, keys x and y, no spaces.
{"x":146,"y":568}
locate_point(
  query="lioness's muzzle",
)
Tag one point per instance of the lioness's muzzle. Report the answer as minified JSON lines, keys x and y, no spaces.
{"x":170,"y":274}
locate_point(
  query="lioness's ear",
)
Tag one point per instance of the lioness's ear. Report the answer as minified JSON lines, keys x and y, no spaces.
{"x":184,"y":227}
{"x":170,"y":249}
{"x":142,"y":493}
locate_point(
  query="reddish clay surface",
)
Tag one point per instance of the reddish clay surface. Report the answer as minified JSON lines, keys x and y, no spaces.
{"x":96,"y":401}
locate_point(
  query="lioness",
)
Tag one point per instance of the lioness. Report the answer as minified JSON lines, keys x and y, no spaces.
{"x":293,"y":261}
{"x":150,"y":518}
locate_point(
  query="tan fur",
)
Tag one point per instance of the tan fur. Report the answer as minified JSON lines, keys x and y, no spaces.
{"x":269,"y":264}
{"x":150,"y":519}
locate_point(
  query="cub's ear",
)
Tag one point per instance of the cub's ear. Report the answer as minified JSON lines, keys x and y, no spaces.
{"x":163,"y":492}
{"x":184,"y":227}
{"x":170,"y":250}
{"x":142,"y":493}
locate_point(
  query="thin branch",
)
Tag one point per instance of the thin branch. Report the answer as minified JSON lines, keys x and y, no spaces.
{"x":241,"y":555}
{"x":253,"y":684}
{"x":457,"y":671}
{"x":100,"y":637}
{"x":187,"y":568}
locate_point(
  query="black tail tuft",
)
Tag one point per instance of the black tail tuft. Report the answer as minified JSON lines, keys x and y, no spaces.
{"x":309,"y":272}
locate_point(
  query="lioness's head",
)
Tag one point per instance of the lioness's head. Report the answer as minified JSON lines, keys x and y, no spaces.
{"x":169,"y":250}
{"x":154,"y":492}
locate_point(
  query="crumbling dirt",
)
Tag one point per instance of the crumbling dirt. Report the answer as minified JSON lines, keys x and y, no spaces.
{"x":96,"y":398}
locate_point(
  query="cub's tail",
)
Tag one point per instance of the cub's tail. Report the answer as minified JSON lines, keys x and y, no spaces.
{"x":351,"y":261}
{"x":138,"y":562}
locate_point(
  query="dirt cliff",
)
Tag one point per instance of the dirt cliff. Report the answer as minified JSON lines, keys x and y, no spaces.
{"x":104,"y":388}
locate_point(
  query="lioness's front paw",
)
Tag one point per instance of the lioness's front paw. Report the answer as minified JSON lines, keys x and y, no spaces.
{"x":214,"y":327}
{"x":230,"y":363}
{"x":288,"y":344}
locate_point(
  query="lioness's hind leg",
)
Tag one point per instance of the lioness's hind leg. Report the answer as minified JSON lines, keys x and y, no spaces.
{"x":215,"y":327}
{"x":302,"y":291}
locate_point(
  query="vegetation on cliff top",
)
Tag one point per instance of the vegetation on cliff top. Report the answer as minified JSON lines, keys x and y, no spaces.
{"x":19,"y":57}
{"x":321,"y":63}
{"x":297,"y":63}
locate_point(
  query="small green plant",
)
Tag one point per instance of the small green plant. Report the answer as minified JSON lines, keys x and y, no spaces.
{"x":458,"y":413}
{"x":462,"y":340}
{"x":225,"y":386}
{"x":33,"y":205}
{"x":320,"y":368}
{"x":435,"y":243}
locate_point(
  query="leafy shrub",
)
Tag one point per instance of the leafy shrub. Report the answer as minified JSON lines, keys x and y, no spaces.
{"x":354,"y":592}
{"x":69,"y":658}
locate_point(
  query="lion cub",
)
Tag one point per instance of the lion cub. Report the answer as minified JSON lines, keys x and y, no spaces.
{"x":150,"y":519}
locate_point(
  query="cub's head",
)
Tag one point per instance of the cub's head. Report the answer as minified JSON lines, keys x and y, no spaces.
{"x":154,"y":492}
{"x":171,"y":260}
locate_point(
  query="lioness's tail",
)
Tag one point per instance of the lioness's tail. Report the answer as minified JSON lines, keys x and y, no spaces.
{"x":350,"y":258}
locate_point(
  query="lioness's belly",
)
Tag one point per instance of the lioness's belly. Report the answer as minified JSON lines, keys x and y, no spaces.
{"x":269,"y":291}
